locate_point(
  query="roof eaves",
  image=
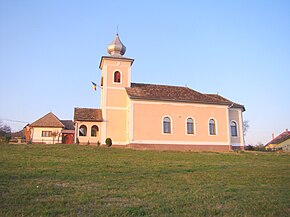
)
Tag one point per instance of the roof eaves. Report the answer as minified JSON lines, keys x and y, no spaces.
{"x":174,"y":100}
{"x":117,"y":58}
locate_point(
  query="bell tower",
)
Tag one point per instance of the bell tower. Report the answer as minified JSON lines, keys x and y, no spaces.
{"x":116,"y":76}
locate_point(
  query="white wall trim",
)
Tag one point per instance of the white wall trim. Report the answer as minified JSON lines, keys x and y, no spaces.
{"x":236,"y":144}
{"x":242,"y":139}
{"x":116,"y":108}
{"x":119,"y":142}
{"x":182,"y":104}
{"x":104,"y":104}
{"x":228,"y":127}
{"x":129,"y":77}
{"x":131,"y":121}
{"x":178,"y":142}
{"x":116,"y":88}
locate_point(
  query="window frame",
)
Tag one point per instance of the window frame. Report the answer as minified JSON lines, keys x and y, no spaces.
{"x":170,"y":126}
{"x":236,"y":128}
{"x":193,"y":126}
{"x":46,"y":133}
{"x":215,"y":131}
{"x":86,"y":128}
{"x":114,"y":81}
{"x":97,"y":131}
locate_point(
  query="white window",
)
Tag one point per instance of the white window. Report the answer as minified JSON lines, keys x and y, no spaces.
{"x":212,"y":127}
{"x":189,"y":126}
{"x":234,"y":131}
{"x":166,"y":125}
{"x":117,"y":77}
{"x":83,"y":130}
{"x":46,"y":133}
{"x":94,"y":131}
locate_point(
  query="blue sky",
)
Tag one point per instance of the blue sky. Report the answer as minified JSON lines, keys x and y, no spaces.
{"x":50,"y":52}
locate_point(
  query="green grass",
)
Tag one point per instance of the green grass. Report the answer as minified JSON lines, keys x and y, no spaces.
{"x":72,"y":180}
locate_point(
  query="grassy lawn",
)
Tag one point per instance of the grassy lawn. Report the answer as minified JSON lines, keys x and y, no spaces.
{"x":72,"y":180}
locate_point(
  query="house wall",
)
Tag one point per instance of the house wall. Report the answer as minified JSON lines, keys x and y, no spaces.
{"x":147,"y":123}
{"x":271,"y":146}
{"x":285,"y":145}
{"x":36,"y":135}
{"x":236,"y":116}
{"x":88,"y":138}
{"x":114,"y":100}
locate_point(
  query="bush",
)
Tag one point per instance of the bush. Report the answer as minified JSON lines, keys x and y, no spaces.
{"x":250,"y":148}
{"x":108,"y":142}
{"x":98,"y":143}
{"x":5,"y":139}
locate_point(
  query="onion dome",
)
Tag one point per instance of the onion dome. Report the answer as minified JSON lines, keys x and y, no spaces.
{"x":116,"y":48}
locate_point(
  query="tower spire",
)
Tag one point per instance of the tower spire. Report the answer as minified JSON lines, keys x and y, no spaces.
{"x":116,"y":48}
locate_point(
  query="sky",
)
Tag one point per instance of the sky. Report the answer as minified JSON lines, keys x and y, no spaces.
{"x":50,"y":53}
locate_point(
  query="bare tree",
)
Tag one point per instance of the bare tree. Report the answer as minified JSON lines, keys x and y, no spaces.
{"x":55,"y":134}
{"x":246,"y":126}
{"x":5,"y":132}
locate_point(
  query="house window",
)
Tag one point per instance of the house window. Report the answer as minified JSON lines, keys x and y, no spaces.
{"x":212,"y":127}
{"x":166,"y":125}
{"x":83,"y":130}
{"x":46,"y":133}
{"x":189,"y":126}
{"x":94,"y":131}
{"x":117,"y":77}
{"x":234,"y":131}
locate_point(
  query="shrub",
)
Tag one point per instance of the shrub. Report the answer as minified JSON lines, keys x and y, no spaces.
{"x":250,"y":148}
{"x":98,"y":143}
{"x":108,"y":142}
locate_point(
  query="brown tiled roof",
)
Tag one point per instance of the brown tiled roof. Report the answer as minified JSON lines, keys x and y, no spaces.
{"x":88,"y":114}
{"x":48,"y":120}
{"x":68,"y":124}
{"x":175,"y":93}
{"x":222,"y":99}
{"x":281,"y":138}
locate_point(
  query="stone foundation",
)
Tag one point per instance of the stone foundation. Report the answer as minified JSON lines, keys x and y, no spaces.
{"x":238,"y":148}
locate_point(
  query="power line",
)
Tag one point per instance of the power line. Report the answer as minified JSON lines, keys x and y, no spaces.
{"x":17,"y":121}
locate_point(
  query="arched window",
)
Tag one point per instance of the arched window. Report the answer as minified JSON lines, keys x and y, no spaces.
{"x":189,"y":126}
{"x":166,"y":125}
{"x":117,"y":77}
{"x":234,"y":131}
{"x":212,"y":127}
{"x":94,"y":131}
{"x":83,"y":130}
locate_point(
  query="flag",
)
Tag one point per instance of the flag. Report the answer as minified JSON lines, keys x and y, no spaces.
{"x":94,"y":86}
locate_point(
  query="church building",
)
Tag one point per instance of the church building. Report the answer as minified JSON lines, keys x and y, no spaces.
{"x":154,"y":116}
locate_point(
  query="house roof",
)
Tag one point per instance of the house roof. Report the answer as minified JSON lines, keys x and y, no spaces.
{"x":177,"y":94}
{"x":281,"y":138}
{"x":88,"y":114}
{"x":48,"y":120}
{"x":68,"y":124}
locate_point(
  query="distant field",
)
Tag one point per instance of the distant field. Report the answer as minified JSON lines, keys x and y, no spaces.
{"x":73,"y":180}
